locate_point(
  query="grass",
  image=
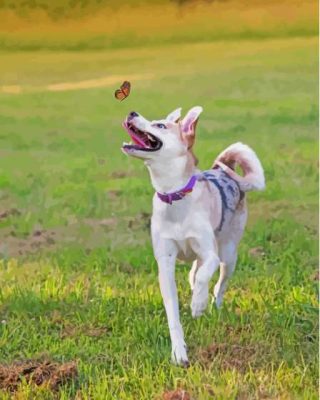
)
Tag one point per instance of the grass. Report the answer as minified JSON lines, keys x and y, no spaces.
{"x":75,"y":251}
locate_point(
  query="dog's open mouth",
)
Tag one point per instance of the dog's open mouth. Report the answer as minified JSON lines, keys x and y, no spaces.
{"x":143,"y":141}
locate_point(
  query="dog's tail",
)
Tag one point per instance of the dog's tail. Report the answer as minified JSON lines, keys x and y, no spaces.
{"x":246,"y":158}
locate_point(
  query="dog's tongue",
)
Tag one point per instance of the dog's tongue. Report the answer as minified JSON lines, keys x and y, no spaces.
{"x":134,"y":137}
{"x":137,"y":140}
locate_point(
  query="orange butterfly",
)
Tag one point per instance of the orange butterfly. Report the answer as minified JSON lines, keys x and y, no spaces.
{"x":123,"y":92}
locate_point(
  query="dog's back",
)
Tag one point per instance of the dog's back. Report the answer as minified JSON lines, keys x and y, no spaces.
{"x":229,"y":191}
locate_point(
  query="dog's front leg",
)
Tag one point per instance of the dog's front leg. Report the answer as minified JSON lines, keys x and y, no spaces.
{"x":166,"y":264}
{"x":200,"y":293}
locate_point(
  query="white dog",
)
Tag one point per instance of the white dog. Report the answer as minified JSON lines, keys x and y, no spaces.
{"x":197,"y":216}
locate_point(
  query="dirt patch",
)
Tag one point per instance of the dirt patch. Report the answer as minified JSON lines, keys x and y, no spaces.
{"x":234,"y":332}
{"x":36,"y":241}
{"x":305,"y":215}
{"x":229,"y":356}
{"x":257,"y":252}
{"x":105,"y":222}
{"x":71,"y":331}
{"x":96,"y":83}
{"x":8,"y":213}
{"x":103,"y":81}
{"x":113,"y":194}
{"x":141,"y":220}
{"x":316,"y":276}
{"x":88,"y":232}
{"x":37,"y":372}
{"x":11,"y":89}
{"x":126,"y":268}
{"x":120,"y":174}
{"x":178,"y":394}
{"x":13,"y":244}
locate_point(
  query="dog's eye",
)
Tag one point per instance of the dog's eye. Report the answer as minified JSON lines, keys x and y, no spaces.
{"x":161,"y":126}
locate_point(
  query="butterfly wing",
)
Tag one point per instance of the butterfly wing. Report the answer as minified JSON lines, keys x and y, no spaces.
{"x":123,"y":92}
{"x":119,"y":94}
{"x":126,"y":87}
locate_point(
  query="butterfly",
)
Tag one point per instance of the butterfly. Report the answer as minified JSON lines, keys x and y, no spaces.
{"x":123,"y":92}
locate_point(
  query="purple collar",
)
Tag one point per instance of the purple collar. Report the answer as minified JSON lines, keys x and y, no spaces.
{"x":179,"y":194}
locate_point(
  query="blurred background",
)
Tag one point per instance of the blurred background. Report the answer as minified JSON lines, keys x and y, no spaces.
{"x":75,"y":212}
{"x":100,"y":24}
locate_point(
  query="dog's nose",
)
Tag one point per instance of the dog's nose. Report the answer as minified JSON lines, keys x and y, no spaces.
{"x":133,"y":114}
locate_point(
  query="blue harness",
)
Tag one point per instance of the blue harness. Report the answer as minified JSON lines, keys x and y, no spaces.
{"x":228,"y":188}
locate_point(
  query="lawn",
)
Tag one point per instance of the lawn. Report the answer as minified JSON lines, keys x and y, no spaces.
{"x":78,"y":278}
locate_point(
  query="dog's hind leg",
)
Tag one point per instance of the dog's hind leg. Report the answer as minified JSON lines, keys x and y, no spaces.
{"x":228,"y":257}
{"x":192,"y":273}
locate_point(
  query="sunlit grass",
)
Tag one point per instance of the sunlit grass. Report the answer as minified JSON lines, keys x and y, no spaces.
{"x":61,"y":168}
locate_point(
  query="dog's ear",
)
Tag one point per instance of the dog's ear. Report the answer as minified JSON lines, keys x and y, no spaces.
{"x":175,"y":115}
{"x":188,"y":125}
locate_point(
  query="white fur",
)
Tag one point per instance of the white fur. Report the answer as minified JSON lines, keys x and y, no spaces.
{"x":175,"y":115}
{"x":187,"y":229}
{"x":239,"y":153}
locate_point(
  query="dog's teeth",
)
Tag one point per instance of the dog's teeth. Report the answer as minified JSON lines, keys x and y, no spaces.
{"x":151,"y":139}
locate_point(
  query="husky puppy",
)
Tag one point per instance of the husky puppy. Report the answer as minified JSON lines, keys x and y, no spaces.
{"x":198,"y":216}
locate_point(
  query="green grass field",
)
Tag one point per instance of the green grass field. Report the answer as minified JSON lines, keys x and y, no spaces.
{"x":78,"y":278}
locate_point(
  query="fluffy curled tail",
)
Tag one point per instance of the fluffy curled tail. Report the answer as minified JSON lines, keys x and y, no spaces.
{"x":246,"y":158}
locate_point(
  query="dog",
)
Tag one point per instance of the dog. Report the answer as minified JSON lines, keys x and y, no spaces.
{"x":198,"y":216}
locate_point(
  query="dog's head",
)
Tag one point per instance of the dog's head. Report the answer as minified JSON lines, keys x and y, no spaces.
{"x":162,"y":139}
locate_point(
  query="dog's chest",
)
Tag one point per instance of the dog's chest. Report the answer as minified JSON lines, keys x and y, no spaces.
{"x":182,"y":220}
{"x":177,"y":230}
{"x":187,"y":234}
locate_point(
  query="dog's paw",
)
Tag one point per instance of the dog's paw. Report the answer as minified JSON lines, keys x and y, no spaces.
{"x":179,"y":355}
{"x":199,"y":300}
{"x":198,"y":306}
{"x":217,"y":296}
{"x":217,"y":301}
